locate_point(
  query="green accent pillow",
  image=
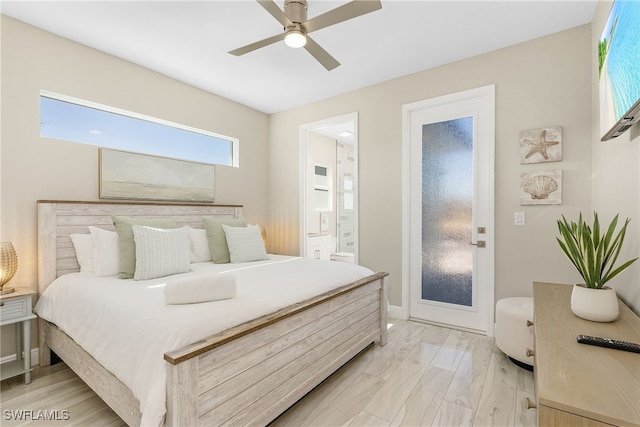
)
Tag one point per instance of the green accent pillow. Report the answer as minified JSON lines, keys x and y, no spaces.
{"x":126,"y":244}
{"x":218,"y":239}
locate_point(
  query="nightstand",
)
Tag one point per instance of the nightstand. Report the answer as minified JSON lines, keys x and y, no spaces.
{"x":15,"y":308}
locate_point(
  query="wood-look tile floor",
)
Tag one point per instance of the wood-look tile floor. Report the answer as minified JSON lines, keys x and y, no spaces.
{"x":425,"y":376}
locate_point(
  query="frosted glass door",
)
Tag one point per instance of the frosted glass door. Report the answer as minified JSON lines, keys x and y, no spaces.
{"x":449,"y":151}
{"x":447,"y":202}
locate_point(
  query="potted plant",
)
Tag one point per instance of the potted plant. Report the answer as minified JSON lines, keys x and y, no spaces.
{"x":594,"y":255}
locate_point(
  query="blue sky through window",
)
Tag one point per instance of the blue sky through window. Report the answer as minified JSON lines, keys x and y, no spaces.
{"x":87,"y":125}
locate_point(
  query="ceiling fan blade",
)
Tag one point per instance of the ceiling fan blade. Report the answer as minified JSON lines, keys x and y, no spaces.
{"x":342,"y":13}
{"x":257,"y":45}
{"x":276,"y":12}
{"x":321,"y":55}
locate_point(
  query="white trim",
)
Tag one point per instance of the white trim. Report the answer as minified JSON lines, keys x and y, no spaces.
{"x":302,"y":188}
{"x":444,"y":325}
{"x":489,"y":275}
{"x":302,"y":178}
{"x":235,"y":142}
{"x":406,"y":204}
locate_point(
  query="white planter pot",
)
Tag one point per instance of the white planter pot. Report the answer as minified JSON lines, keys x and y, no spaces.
{"x":597,"y":305}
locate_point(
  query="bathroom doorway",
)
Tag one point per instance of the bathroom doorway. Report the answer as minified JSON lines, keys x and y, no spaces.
{"x":329,"y":189}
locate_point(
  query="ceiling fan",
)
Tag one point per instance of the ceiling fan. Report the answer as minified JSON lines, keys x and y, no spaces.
{"x":297,"y":26}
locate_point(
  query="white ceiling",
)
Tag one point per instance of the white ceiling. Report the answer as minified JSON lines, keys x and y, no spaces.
{"x":189,"y":40}
{"x":343,"y":132}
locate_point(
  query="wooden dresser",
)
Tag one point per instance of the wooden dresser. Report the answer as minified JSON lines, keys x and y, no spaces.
{"x":579,"y":384}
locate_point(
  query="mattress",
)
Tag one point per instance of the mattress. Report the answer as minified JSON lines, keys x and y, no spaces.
{"x":127,"y":327}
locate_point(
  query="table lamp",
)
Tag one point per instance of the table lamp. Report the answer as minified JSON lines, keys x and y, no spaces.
{"x":8,"y":266}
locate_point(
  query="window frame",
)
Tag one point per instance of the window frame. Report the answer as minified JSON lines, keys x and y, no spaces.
{"x":235,"y":142}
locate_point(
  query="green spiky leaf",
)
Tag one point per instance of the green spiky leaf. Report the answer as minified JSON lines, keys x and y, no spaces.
{"x":592,"y":253}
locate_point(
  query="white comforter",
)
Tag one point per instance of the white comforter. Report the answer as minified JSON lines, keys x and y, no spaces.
{"x":127,"y":327}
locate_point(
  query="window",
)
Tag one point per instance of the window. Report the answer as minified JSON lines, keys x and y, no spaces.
{"x":75,"y":120}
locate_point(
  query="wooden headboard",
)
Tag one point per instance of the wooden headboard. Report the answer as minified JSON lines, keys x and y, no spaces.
{"x":57,"y":220}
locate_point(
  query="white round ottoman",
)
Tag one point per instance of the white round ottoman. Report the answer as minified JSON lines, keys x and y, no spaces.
{"x":513,"y":336}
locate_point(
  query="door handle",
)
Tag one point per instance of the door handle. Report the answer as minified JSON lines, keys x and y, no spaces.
{"x":480,"y":244}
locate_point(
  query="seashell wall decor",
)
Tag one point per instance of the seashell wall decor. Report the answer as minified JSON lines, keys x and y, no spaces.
{"x":541,"y":145}
{"x":541,"y":188}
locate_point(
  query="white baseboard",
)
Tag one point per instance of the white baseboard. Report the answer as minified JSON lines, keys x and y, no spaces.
{"x":35,"y":357}
{"x":398,"y":312}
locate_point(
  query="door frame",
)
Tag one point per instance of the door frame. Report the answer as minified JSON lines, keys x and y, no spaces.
{"x":488,"y":275}
{"x":303,"y":131}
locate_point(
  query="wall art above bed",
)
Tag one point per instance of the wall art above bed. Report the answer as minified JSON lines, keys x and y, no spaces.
{"x":126,"y":175}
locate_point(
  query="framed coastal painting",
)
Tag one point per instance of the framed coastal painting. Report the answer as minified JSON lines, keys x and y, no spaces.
{"x":541,"y":145}
{"x":541,"y":188}
{"x":127,"y":175}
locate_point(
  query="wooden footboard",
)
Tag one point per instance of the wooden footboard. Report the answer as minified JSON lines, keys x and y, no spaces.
{"x":250,"y":374}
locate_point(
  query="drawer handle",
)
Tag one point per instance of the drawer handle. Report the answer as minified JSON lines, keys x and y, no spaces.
{"x":1,"y":304}
{"x":530,"y":352}
{"x":528,"y":404}
{"x":529,"y":323}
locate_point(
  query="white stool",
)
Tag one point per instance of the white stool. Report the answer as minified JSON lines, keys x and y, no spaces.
{"x":513,"y":336}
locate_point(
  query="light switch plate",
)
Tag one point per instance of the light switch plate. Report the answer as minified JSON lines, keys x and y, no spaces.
{"x":518,"y":218}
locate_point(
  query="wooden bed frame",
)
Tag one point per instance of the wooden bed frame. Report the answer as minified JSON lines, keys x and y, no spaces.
{"x":246,"y":375}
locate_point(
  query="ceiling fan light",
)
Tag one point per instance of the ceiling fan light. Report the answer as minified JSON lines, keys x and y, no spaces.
{"x":295,"y":39}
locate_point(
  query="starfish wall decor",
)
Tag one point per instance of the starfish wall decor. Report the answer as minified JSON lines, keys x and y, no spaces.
{"x":541,"y":145}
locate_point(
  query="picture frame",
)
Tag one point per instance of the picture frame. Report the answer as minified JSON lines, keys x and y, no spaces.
{"x":541,"y":188}
{"x":541,"y":145}
{"x":136,"y":176}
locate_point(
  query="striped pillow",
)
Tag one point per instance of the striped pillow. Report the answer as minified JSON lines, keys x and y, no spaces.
{"x":245,"y":243}
{"x":161,"y":252}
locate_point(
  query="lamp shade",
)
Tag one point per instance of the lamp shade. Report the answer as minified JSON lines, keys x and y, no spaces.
{"x":8,"y":262}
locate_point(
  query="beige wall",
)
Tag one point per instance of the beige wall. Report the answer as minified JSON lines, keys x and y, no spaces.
{"x":544,"y":82}
{"x":37,"y":168}
{"x":616,"y":177}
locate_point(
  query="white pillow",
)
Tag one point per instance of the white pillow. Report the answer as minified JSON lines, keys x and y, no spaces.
{"x":245,"y":243}
{"x":83,"y":245}
{"x":200,"y":251}
{"x":105,"y":252}
{"x":161,"y":252}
